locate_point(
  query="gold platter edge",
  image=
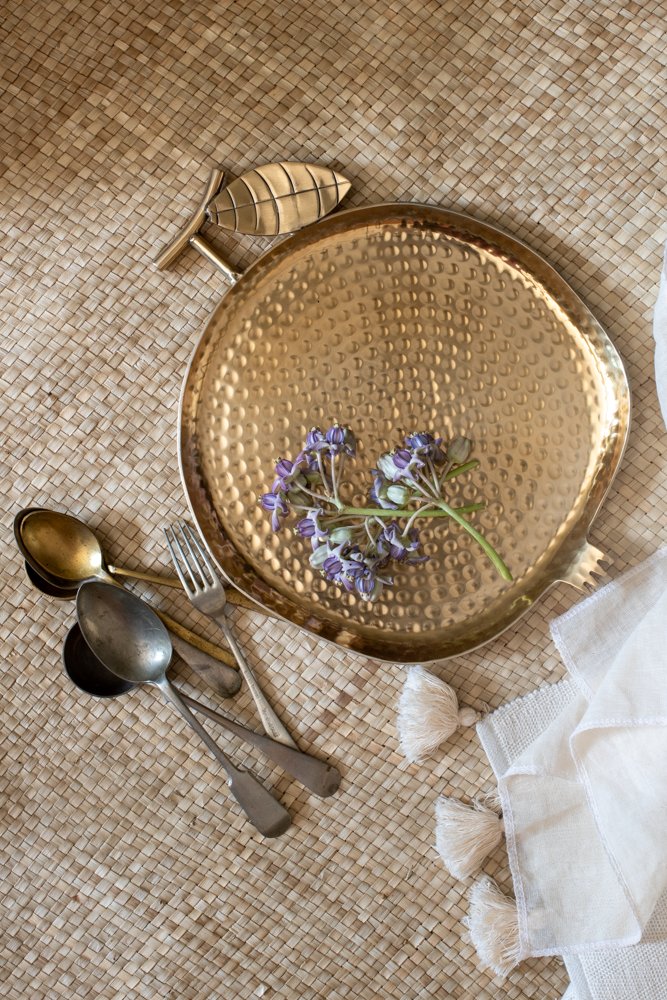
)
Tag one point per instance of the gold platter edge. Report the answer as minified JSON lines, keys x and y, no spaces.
{"x":573,"y":559}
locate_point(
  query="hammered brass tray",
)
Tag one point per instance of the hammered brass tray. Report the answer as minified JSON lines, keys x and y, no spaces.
{"x":395,"y":319}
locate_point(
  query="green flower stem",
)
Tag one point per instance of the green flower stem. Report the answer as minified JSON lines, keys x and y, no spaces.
{"x":459,"y":469}
{"x":455,"y":512}
{"x":383,"y":512}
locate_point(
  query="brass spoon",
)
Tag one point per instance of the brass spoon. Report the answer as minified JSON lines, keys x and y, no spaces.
{"x":65,"y":552}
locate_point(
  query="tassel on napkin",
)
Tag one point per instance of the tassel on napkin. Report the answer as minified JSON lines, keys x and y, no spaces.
{"x":428,"y":714}
{"x":493,"y":923}
{"x":466,"y":835}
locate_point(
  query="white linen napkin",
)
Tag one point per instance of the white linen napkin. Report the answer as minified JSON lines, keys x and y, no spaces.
{"x":582,"y":775}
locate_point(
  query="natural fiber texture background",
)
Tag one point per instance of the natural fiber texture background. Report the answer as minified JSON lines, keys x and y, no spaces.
{"x":126,"y":872}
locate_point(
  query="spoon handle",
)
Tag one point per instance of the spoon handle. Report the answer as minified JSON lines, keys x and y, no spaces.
{"x":135,"y":574}
{"x":233,"y":596}
{"x":220,"y":678}
{"x":264,"y":812}
{"x":316,"y":775}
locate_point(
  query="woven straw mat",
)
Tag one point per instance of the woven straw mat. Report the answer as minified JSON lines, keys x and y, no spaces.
{"x":126,"y":869}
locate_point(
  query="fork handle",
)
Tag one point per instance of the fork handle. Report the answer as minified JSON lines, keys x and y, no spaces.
{"x":273,"y":727}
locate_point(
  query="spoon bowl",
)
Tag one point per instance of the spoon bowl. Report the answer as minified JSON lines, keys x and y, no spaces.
{"x":65,"y":549}
{"x":124,"y":633}
{"x":87,"y":672}
{"x":40,"y":584}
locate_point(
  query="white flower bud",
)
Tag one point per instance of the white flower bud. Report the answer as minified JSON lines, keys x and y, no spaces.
{"x":458,"y":450}
{"x":399,"y":494}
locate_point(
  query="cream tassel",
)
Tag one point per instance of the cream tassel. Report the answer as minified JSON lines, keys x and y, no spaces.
{"x":465,"y":835}
{"x":493,"y":922}
{"x":428,"y":714}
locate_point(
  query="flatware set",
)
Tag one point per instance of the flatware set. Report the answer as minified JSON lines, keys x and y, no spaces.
{"x":120,"y":641}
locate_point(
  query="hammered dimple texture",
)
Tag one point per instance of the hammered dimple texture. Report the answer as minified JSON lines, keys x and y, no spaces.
{"x":392,"y":331}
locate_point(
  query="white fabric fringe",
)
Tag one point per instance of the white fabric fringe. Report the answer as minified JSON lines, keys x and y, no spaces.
{"x":493,"y":923}
{"x":465,"y":834}
{"x":428,"y":714}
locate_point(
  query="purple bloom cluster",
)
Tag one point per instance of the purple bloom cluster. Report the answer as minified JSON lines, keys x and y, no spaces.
{"x":356,"y":556}
{"x":336,"y":441}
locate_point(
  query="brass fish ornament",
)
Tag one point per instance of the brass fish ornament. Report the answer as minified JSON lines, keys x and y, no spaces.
{"x":271,"y":200}
{"x":277,"y":198}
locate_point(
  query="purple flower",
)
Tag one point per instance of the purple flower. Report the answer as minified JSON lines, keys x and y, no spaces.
{"x":339,"y":563}
{"x":370,"y":586}
{"x":404,"y":459}
{"x":308,"y":526}
{"x":336,"y":440}
{"x":315,"y":440}
{"x":332,"y":566}
{"x":425,"y":444}
{"x":275,"y":503}
{"x":289,"y":476}
{"x":284,"y":468}
{"x":401,"y":546}
{"x":399,"y":464}
{"x":360,"y":563}
{"x":365,"y":586}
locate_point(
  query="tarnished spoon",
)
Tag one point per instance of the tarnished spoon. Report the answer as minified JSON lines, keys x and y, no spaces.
{"x":129,"y":639}
{"x":222,"y":679}
{"x":40,"y":584}
{"x":65,"y":552}
{"x":90,"y":675}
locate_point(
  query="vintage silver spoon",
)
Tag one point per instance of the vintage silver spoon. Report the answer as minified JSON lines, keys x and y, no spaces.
{"x":129,"y":639}
{"x":219,"y":677}
{"x":90,"y":675}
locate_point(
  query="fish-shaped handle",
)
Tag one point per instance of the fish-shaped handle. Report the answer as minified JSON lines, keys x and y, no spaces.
{"x":268,"y":201}
{"x":277,"y":198}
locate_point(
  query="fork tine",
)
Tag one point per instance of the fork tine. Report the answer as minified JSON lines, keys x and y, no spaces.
{"x":190,"y":535}
{"x":205,"y":582}
{"x":177,"y":566}
{"x":194,"y":586}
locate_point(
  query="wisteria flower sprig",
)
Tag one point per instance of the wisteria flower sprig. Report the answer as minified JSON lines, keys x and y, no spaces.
{"x":356,"y":556}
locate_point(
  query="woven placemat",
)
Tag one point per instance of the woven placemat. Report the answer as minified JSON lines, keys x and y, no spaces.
{"x":126,"y":871}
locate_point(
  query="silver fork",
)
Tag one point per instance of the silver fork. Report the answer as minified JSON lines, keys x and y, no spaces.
{"x":207,"y":594}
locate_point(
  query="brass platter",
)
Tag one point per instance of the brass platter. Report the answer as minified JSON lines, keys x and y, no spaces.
{"x":394,"y":319}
